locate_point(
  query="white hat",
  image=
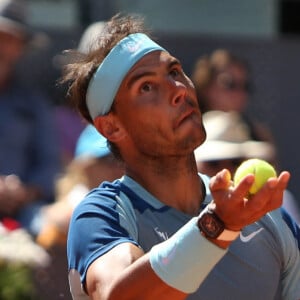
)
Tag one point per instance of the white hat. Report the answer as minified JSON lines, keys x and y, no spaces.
{"x":90,"y":35}
{"x":85,"y":45}
{"x":228,"y":136}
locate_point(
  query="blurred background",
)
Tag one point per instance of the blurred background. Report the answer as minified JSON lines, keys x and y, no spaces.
{"x":264,"y":32}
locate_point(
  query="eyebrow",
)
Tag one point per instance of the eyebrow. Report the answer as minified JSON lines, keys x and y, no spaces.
{"x":136,"y":77}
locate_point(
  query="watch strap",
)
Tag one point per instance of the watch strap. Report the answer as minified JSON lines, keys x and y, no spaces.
{"x":225,"y":235}
{"x":228,"y":235}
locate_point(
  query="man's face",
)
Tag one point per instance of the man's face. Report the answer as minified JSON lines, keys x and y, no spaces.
{"x":229,"y":90}
{"x":157,"y":106}
{"x":11,"y":48}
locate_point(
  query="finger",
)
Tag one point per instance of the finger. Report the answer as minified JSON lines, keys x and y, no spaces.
{"x":242,"y":188}
{"x":270,"y":196}
{"x":277,"y":188}
{"x":222,"y":180}
{"x":284,"y":179}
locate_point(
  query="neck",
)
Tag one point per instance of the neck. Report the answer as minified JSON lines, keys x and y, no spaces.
{"x":175,"y":182}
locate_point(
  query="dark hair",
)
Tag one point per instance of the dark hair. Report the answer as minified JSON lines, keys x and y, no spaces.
{"x":81,"y":68}
{"x":208,"y":67}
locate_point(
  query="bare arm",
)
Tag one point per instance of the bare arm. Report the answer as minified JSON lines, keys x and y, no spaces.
{"x":125,"y":273}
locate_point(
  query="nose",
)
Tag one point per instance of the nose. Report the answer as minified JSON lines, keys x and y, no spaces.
{"x":178,"y":92}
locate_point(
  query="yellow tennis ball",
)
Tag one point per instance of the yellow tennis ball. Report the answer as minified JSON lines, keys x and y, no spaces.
{"x":261,"y":169}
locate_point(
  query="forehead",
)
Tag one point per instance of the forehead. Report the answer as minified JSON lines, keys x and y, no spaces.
{"x":152,"y":60}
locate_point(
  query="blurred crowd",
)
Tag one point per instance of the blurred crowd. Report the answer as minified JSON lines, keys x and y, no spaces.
{"x":49,"y":158}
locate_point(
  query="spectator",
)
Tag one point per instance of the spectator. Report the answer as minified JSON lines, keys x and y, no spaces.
{"x":228,"y":143}
{"x":156,"y":233}
{"x":93,"y":164}
{"x":29,"y":158}
{"x":223,"y":82}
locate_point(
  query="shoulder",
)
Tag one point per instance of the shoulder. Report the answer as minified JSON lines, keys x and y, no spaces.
{"x":100,"y":221}
{"x":100,"y":197}
{"x":106,"y":204}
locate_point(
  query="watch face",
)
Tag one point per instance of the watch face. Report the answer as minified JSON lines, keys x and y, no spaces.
{"x":210,"y":225}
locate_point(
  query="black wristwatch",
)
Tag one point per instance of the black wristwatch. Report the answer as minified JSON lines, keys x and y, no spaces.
{"x":210,"y":224}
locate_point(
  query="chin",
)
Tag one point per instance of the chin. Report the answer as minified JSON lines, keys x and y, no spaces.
{"x":192,"y":135}
{"x":193,"y":141}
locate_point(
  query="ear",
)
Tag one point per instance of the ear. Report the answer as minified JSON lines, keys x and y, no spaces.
{"x":110,"y":127}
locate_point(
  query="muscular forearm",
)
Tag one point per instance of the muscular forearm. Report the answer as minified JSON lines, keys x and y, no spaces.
{"x":139,"y":281}
{"x":127,"y":276}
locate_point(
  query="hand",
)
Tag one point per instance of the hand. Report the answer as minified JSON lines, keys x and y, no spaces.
{"x":13,"y":194}
{"x":232,"y":205}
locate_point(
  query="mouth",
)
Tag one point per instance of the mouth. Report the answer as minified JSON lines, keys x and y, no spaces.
{"x":186,"y":115}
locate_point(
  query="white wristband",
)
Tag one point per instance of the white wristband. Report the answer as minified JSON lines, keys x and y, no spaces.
{"x":184,"y":260}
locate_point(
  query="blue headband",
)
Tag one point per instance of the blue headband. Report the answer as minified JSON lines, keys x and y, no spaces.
{"x":106,"y":81}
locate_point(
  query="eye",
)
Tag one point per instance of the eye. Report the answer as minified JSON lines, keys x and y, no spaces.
{"x":174,"y":72}
{"x":146,"y":87}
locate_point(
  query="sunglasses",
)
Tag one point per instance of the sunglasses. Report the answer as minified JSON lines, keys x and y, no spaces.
{"x":227,"y":82}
